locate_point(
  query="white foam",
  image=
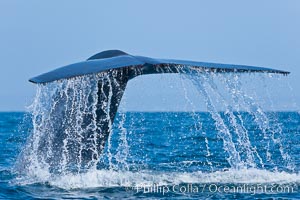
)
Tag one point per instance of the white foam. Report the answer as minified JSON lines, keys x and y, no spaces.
{"x":108,"y":178}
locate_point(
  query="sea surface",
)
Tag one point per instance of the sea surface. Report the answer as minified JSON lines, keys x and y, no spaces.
{"x":167,"y":155}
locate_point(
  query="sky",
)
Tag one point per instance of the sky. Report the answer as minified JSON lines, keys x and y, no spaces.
{"x":38,"y":36}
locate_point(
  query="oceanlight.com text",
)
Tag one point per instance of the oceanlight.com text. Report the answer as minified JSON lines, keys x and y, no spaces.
{"x":214,"y":188}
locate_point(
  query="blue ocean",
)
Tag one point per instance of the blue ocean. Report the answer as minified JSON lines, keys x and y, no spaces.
{"x":68,"y":145}
{"x":165,"y":155}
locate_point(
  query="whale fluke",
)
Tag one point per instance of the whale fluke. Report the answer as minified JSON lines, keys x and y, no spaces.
{"x":116,"y":59}
{"x":118,"y":68}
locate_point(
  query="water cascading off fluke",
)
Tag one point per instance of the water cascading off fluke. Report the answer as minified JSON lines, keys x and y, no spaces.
{"x":77,"y":104}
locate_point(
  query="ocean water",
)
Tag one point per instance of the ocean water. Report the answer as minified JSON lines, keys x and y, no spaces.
{"x":166,"y":155}
{"x":238,"y":148}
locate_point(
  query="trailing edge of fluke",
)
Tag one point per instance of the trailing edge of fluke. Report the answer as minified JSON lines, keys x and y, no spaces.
{"x":115,"y":59}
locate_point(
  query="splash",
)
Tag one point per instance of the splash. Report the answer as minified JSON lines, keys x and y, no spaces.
{"x":76,"y":141}
{"x":130,"y":180}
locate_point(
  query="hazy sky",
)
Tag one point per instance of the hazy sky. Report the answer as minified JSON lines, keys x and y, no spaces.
{"x":38,"y":36}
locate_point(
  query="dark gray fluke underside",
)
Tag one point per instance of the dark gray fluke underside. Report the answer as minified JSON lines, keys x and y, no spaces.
{"x":114,"y":59}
